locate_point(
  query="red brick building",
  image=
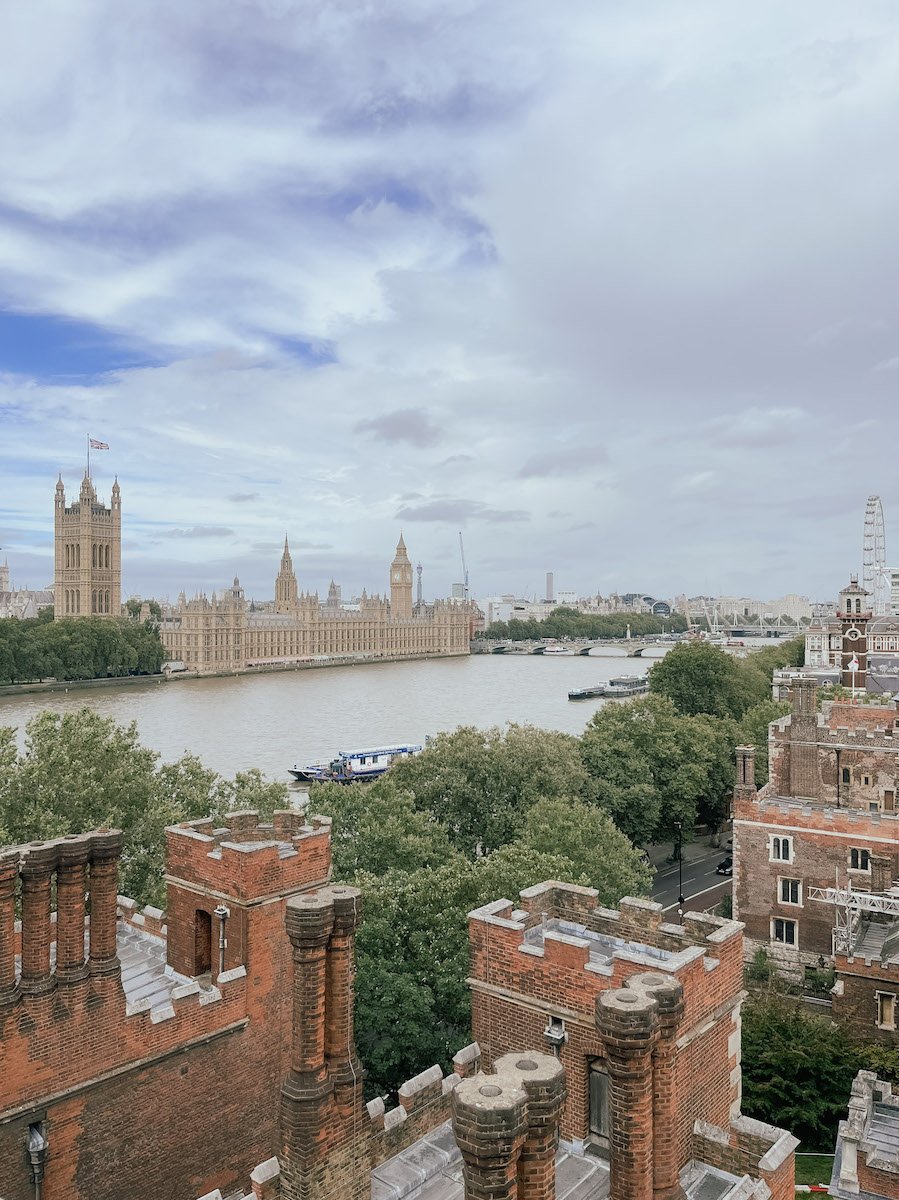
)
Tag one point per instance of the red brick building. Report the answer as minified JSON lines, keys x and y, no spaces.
{"x":826,"y":818}
{"x":645,"y":1017}
{"x":184,"y":1054}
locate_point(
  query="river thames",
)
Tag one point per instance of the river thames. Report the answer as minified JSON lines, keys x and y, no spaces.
{"x":274,"y":720}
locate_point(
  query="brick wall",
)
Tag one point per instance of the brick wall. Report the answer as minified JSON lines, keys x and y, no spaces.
{"x":517,"y":987}
{"x":822,"y":840}
{"x":855,"y":997}
{"x":171,"y":1102}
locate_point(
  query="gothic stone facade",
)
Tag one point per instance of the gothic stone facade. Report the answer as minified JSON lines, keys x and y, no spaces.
{"x":224,"y":633}
{"x":87,"y":553}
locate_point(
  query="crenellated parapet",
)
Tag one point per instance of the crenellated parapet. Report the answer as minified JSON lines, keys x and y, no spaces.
{"x":425,"y":1101}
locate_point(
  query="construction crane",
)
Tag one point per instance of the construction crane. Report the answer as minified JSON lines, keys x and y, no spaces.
{"x":464,"y":568}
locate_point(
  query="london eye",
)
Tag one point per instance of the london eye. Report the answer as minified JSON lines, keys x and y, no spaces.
{"x":874,"y":574}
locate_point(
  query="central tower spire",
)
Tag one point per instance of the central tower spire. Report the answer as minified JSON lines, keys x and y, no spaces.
{"x":285,"y":583}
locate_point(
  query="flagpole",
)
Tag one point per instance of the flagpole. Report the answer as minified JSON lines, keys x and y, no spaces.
{"x":88,"y":456}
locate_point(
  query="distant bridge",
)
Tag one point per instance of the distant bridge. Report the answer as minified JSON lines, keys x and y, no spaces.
{"x":632,"y":647}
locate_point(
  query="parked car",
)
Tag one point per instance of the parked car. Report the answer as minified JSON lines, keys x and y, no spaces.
{"x":725,"y":867}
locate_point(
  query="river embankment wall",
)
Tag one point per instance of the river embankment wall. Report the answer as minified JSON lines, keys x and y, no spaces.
{"x":67,"y":685}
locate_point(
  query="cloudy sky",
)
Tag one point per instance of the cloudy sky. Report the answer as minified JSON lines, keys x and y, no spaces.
{"x":610,"y":287}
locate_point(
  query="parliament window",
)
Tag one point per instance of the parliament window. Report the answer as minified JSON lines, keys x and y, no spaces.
{"x":846,"y":774}
{"x":859,"y":860}
{"x":784,"y":932}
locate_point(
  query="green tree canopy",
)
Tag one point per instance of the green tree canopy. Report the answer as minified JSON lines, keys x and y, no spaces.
{"x":650,"y":767}
{"x":699,"y":678}
{"x":77,"y":648}
{"x":797,"y":1069}
{"x":81,"y":771}
{"x":378,"y":829}
{"x":572,"y":623}
{"x":479,"y":783}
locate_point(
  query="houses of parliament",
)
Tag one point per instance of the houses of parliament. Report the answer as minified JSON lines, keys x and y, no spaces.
{"x":225,"y":632}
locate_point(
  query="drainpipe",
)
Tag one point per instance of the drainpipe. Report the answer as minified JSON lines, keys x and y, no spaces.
{"x":37,"y":1146}
{"x":223,"y":913}
{"x":838,"y":775}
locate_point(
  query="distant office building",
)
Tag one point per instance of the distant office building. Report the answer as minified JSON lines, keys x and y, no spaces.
{"x":894,"y":591}
{"x":550,"y":594}
{"x":568,"y":599}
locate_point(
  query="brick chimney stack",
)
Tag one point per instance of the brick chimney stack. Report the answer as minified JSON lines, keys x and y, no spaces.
{"x":627,"y":1021}
{"x":323,"y":1147}
{"x":744,"y":787}
{"x":37,"y":868}
{"x":71,"y":886}
{"x":9,"y":874}
{"x":543,"y":1078}
{"x":507,"y":1128}
{"x":106,"y":850}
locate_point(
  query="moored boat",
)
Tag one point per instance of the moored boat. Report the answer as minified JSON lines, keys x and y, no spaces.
{"x":354,"y":766}
{"x":587,"y":693}
{"x":621,"y":686}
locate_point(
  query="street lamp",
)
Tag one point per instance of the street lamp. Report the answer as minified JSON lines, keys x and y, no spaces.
{"x":679,"y":826}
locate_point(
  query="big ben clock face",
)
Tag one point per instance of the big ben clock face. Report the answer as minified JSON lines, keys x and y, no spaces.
{"x":397,"y":576}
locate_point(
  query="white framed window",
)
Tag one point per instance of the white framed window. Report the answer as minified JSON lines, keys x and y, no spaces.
{"x":859,"y":859}
{"x":866,"y":780}
{"x":790,"y":891}
{"x":784,"y":932}
{"x":886,"y":1010}
{"x":780,"y":848}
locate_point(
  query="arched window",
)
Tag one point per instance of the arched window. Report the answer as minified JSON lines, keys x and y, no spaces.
{"x":202,"y":942}
{"x":858,"y":606}
{"x":94,"y":555}
{"x":67,"y":554}
{"x":107,"y":557}
{"x":78,"y":555}
{"x":93,"y":601}
{"x":107,"y":601}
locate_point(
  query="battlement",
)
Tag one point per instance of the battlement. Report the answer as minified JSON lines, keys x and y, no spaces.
{"x":769,"y":808}
{"x":558,"y":941}
{"x":425,"y":1101}
{"x":246,"y":860}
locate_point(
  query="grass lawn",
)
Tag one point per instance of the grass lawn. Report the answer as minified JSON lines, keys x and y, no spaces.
{"x":813,"y":1168}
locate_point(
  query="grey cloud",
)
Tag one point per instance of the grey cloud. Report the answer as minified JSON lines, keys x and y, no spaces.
{"x":410,"y":425}
{"x":758,"y":428}
{"x":456,"y":460}
{"x":243,"y":497}
{"x":200,"y":531}
{"x":460,"y":511}
{"x":571,"y":460}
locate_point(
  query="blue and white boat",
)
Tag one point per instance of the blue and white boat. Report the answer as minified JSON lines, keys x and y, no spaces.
{"x":354,"y":766}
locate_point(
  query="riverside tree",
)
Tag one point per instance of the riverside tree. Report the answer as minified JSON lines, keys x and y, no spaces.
{"x":479,"y":783}
{"x":651,"y":767}
{"x":82,"y":648}
{"x":80,"y":771}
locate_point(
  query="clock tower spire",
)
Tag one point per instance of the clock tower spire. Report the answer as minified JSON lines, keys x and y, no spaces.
{"x":401,"y":584}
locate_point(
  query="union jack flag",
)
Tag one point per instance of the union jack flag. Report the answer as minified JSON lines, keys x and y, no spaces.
{"x":95,"y":445}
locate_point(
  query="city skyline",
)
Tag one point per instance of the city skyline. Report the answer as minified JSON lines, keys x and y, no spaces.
{"x":612,"y":295}
{"x":263,"y":587}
